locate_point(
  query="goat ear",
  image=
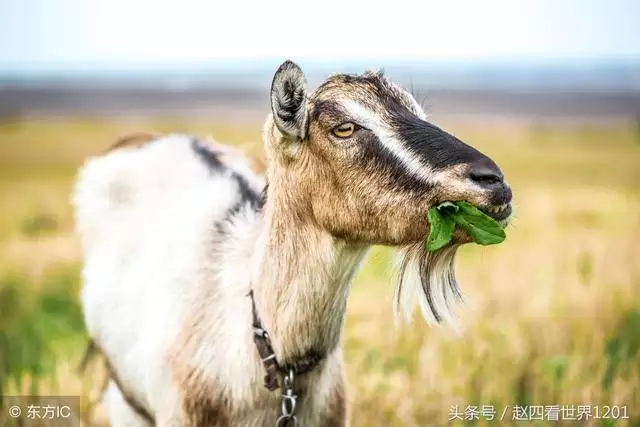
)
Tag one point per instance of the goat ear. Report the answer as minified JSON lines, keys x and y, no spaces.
{"x":289,"y":101}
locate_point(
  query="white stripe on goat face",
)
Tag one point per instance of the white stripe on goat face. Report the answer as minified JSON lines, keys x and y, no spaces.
{"x":390,"y":140}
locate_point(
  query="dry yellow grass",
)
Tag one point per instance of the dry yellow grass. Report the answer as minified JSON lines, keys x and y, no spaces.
{"x":548,"y":313}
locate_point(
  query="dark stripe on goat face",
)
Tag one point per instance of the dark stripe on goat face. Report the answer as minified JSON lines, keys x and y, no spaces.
{"x":371,"y":152}
{"x":382,"y":160}
{"x":330,"y":110}
{"x":434,"y":146}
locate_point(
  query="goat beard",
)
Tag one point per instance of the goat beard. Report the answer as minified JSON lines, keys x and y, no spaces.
{"x":429,"y":278}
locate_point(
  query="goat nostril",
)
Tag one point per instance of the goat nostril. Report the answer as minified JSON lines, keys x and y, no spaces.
{"x":485,"y":176}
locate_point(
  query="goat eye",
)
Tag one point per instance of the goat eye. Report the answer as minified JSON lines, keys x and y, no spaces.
{"x":344,"y":130}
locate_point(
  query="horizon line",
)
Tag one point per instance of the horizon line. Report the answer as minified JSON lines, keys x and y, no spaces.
{"x":248,"y":64}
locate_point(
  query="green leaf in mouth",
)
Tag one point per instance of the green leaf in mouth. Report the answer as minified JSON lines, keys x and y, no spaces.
{"x":442,"y":227}
{"x":483,"y":229}
{"x":443,"y":218}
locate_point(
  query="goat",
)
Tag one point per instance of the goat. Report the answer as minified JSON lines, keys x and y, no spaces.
{"x":192,"y":260}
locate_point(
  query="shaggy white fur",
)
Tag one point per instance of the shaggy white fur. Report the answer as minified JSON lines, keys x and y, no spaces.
{"x":155,"y":261}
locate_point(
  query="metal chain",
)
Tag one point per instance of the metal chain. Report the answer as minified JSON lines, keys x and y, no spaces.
{"x":288,"y":408}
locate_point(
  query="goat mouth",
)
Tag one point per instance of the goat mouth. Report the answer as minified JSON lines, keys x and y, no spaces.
{"x":498,"y":212}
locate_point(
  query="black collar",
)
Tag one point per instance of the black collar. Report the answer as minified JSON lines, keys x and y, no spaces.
{"x":265,"y":350}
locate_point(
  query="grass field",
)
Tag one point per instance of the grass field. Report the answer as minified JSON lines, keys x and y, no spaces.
{"x":553,"y":314}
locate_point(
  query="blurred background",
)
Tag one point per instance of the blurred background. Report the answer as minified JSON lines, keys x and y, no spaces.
{"x":550,"y":90}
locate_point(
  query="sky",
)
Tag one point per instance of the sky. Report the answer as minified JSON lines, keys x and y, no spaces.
{"x":139,"y":34}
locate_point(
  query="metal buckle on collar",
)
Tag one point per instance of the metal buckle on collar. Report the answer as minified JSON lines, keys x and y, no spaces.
{"x":288,"y":408}
{"x":262,"y":340}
